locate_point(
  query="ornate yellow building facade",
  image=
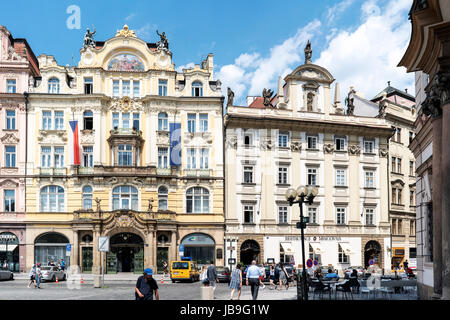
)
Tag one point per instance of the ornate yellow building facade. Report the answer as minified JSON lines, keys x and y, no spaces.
{"x":150,"y":172}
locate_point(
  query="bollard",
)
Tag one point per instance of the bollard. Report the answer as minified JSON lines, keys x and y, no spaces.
{"x":207,"y":293}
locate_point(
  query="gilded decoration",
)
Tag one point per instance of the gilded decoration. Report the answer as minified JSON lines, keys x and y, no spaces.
{"x":126,"y":32}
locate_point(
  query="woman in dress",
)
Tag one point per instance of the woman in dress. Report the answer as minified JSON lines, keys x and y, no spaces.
{"x":272,"y":276}
{"x":283,"y":277}
{"x":236,"y":281}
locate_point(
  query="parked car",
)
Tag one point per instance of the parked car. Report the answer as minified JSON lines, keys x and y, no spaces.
{"x":184,"y":270}
{"x":349,"y":270}
{"x":223,"y":274}
{"x":6,"y":274}
{"x":50,"y":273}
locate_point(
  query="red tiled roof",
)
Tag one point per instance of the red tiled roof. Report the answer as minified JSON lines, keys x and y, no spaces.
{"x":258,"y":103}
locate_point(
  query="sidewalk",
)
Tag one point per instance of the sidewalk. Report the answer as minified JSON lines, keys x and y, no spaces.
{"x":122,"y":276}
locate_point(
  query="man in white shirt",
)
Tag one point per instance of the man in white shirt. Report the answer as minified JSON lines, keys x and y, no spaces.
{"x":253,"y":274}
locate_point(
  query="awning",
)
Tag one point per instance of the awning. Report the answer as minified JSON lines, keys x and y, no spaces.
{"x":11,"y":247}
{"x":287,"y":247}
{"x":316,"y":247}
{"x":345,"y":247}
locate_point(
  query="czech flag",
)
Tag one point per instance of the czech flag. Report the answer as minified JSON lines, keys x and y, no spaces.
{"x":76,"y":145}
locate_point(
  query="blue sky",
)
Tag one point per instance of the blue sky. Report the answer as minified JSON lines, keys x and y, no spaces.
{"x":253,"y":42}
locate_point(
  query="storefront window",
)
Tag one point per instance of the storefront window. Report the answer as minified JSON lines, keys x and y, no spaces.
{"x":200,"y":247}
{"x":9,"y":251}
{"x":50,"y":247}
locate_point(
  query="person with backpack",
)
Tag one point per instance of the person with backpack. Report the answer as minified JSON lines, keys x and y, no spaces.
{"x":38,"y":276}
{"x":212,"y":275}
{"x":146,"y":286}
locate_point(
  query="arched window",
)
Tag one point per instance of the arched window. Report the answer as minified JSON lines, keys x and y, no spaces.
{"x":197,"y":200}
{"x":52,"y":199}
{"x":87,"y":197}
{"x":125,"y":197}
{"x":53,"y":85}
{"x":197,"y":89}
{"x":88,"y":120}
{"x":162,"y":198}
{"x":162,"y":121}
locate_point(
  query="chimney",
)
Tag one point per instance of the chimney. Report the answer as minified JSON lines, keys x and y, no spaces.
{"x":337,"y":99}
{"x":280,"y":91}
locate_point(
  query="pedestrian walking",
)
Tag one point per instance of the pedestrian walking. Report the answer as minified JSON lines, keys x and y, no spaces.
{"x":236,"y":281}
{"x":63,"y":264}
{"x":272,"y":276}
{"x":283,"y":276}
{"x":204,"y":276}
{"x":166,"y":269}
{"x":253,"y":274}
{"x":146,"y":286}
{"x":405,"y":265}
{"x":32,"y":276}
{"x":212,"y":275}
{"x":38,"y":276}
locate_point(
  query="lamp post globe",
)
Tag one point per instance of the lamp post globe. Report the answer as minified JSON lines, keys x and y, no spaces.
{"x":291,"y":194}
{"x":302,"y":191}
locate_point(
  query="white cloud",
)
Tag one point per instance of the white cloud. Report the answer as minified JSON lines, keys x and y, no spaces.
{"x":185,"y":66}
{"x":145,"y":32}
{"x":336,"y":10}
{"x":367,"y":57}
{"x":130,"y":16}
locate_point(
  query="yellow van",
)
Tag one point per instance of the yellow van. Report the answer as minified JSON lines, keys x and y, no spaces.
{"x":184,"y":270}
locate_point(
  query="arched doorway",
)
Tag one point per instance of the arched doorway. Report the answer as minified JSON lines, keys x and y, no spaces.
{"x":200,"y":247}
{"x":50,"y":247}
{"x":9,"y":251}
{"x":249,"y":252}
{"x":127,"y":253}
{"x":372,"y":250}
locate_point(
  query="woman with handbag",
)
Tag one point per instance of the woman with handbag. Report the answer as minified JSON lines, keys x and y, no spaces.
{"x":236,"y":281}
{"x":204,"y":275}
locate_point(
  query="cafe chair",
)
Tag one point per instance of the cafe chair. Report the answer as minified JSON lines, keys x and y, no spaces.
{"x":344,"y":288}
{"x":321,"y":288}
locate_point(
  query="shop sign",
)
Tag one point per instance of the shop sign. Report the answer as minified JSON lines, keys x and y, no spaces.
{"x":293,"y":238}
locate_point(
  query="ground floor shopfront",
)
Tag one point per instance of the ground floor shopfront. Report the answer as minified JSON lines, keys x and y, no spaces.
{"x":334,"y":250}
{"x":12,"y":248}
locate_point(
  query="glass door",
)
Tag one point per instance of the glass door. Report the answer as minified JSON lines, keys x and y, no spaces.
{"x":111,"y":262}
{"x":86,"y":259}
{"x":162,"y":255}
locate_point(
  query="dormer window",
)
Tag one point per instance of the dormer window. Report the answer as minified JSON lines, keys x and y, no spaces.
{"x":197,"y":89}
{"x":53,"y":85}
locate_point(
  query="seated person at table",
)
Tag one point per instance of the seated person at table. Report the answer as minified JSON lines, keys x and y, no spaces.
{"x":409,"y":273}
{"x":318,"y":274}
{"x":331,"y":275}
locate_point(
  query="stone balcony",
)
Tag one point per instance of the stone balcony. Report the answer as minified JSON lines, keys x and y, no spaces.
{"x":198,"y":173}
{"x":52,"y":171}
{"x":89,"y":215}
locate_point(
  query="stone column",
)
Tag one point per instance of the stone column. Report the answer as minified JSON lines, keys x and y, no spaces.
{"x":74,"y":259}
{"x":96,"y":258}
{"x":149,"y":261}
{"x":173,"y":247}
{"x":354,"y":183}
{"x":445,"y":185}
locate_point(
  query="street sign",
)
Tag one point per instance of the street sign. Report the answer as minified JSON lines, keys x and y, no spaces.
{"x":301,"y":225}
{"x":103,"y":244}
{"x":270,"y":260}
{"x":371,"y":262}
{"x":231,"y":261}
{"x":306,"y":219}
{"x":181,"y":250}
{"x":316,"y":262}
{"x":309,"y":263}
{"x":68,"y":249}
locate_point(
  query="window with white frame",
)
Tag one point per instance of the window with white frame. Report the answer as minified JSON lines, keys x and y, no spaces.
{"x":11,"y":86}
{"x":136,"y":121}
{"x":9,"y":200}
{"x":162,"y":121}
{"x":136,"y":89}
{"x":340,"y":216}
{"x":87,"y":197}
{"x":116,"y":88}
{"x":369,"y":179}
{"x":10,"y":156}
{"x":46,"y":156}
{"x":163,"y":158}
{"x":125,"y":197}
{"x":369,"y":146}
{"x":312,"y":213}
{"x":53,"y":85}
{"x":369,"y":216}
{"x":204,"y":158}
{"x":163,"y":195}
{"x":283,"y":175}
{"x":46,"y":120}
{"x":191,"y":158}
{"x":88,"y":156}
{"x":203,"y":118}
{"x":343,"y":258}
{"x":88,"y":120}
{"x":197,"y":200}
{"x":59,"y":120}
{"x":88,"y":85}
{"x":52,"y":199}
{"x":248,"y":213}
{"x":339,"y":144}
{"x":197,"y":89}
{"x":192,"y":119}
{"x":283,"y":139}
{"x":312,"y":176}
{"x":125,"y":154}
{"x":58,"y":156}
{"x":399,"y":165}
{"x":10,"y":119}
{"x":248,"y":174}
{"x":125,"y":88}
{"x":162,"y":87}
{"x":340,"y":177}
{"x":311,"y":142}
{"x":125,"y":121}
{"x":48,"y":116}
{"x":282,"y":214}
{"x":116,"y":120}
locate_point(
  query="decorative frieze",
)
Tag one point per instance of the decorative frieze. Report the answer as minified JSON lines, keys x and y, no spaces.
{"x":354,"y":149}
{"x":328,"y":148}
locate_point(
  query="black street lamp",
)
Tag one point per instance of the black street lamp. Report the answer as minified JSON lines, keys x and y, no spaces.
{"x":300,"y":196}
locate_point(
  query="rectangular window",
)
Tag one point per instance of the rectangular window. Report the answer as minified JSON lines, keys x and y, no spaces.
{"x":248,"y":140}
{"x":191,"y":158}
{"x":125,"y":88}
{"x":283,"y":139}
{"x":59,"y":120}
{"x":11,"y":86}
{"x":46,"y":120}
{"x":339,"y":144}
{"x":203,"y":118}
{"x":162,"y":87}
{"x":312,"y":142}
{"x":312,"y":177}
{"x":411,"y":198}
{"x":282,"y":214}
{"x":88,"y":85}
{"x":125,"y":120}
{"x":46,"y":156}
{"x":204,"y":158}
{"x":136,"y":121}
{"x":399,"y":165}
{"x":411,"y":136}
{"x":412,"y":228}
{"x":399,"y":135}
{"x":248,"y":174}
{"x":10,"y":119}
{"x":248,"y":214}
{"x":136,"y":89}
{"x":393,"y":162}
{"x":125,"y":156}
{"x":312,"y":213}
{"x":368,"y":146}
{"x":399,"y":226}
{"x":115,"y":117}
{"x":116,"y":88}
{"x":394,"y":195}
{"x":340,"y":215}
{"x":411,"y":168}
{"x":399,"y":195}
{"x":10,"y":200}
{"x":88,"y":156}
{"x":369,"y":176}
{"x":10,"y":156}
{"x":59,"y":157}
{"x":343,"y":258}
{"x":192,"y":117}
{"x":283,"y":175}
{"x":369,"y":216}
{"x":88,"y":120}
{"x":163,"y":157}
{"x":340,"y":177}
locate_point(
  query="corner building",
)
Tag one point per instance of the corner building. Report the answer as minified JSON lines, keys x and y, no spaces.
{"x":150,"y":172}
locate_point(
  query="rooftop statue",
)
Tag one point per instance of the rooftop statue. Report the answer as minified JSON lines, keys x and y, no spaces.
{"x":230,"y":97}
{"x":89,"y":39}
{"x":349,"y":102}
{"x":267,"y":95}
{"x":308,"y":53}
{"x":163,"y":43}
